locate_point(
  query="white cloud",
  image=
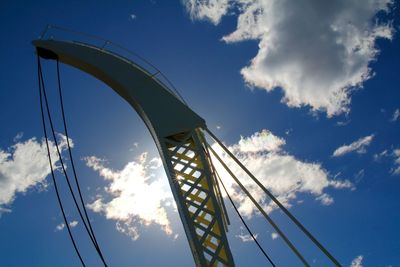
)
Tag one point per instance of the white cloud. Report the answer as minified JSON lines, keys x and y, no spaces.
{"x":260,"y":141}
{"x":274,"y":236}
{"x":136,"y":195}
{"x":396,"y":115}
{"x":396,"y":154}
{"x":343,"y":123}
{"x":211,"y":10}
{"x":359,"y":146}
{"x":378,"y":157}
{"x":73,"y":223}
{"x":357,"y":262}
{"x":25,"y":165}
{"x":325,"y":199}
{"x":18,"y":137}
{"x":135,"y":146}
{"x":246,"y":237}
{"x":60,"y":227}
{"x":4,"y":210}
{"x":128,"y":227}
{"x":359,"y":175}
{"x":284,"y":175}
{"x":317,"y":53}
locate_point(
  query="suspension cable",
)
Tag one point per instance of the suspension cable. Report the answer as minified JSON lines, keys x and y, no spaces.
{"x":277,"y":202}
{"x":218,"y":189}
{"x":74,"y":169}
{"x":243,"y":221}
{"x":63,"y":165}
{"x":51,"y":166}
{"x":267,"y":217}
{"x":218,"y":181}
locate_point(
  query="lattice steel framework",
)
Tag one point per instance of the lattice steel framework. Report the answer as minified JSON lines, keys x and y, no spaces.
{"x":200,"y":199}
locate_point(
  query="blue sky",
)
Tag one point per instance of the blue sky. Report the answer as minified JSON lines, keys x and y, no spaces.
{"x":305,"y":94}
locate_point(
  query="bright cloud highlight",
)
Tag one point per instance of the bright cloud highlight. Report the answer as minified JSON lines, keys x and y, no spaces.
{"x":24,"y":166}
{"x":211,"y":10}
{"x":274,"y":236}
{"x":357,"y":262}
{"x":136,"y":195}
{"x":139,"y":194}
{"x":316,"y":52}
{"x":284,"y":175}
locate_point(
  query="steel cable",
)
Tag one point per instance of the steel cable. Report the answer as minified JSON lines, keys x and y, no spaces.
{"x":51,"y":166}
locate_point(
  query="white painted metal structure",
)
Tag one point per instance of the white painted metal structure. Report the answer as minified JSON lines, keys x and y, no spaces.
{"x":177,"y":132}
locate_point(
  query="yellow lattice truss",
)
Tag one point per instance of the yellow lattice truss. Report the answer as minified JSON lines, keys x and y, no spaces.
{"x":196,"y":186}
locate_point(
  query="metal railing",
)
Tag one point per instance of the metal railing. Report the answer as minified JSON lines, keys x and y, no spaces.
{"x":53,"y":32}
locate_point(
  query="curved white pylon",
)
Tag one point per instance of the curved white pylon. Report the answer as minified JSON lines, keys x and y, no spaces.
{"x":176,"y":130}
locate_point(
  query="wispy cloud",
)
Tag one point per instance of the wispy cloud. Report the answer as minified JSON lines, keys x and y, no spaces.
{"x":391,"y":154}
{"x":358,"y":146}
{"x":61,"y":226}
{"x":396,"y":115}
{"x":343,"y":123}
{"x":379,"y":156}
{"x":4,"y":210}
{"x":396,"y":169}
{"x":25,"y":165}
{"x":316,"y":61}
{"x":359,"y":175}
{"x":357,"y":262}
{"x":211,"y":10}
{"x":325,"y":199}
{"x":136,"y":195}
{"x":73,"y":223}
{"x":18,"y":137}
{"x":246,"y":237}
